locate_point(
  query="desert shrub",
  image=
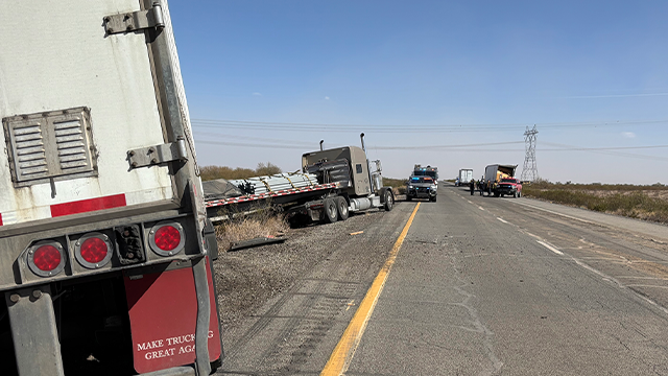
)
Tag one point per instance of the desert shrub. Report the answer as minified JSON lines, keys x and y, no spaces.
{"x":224,"y":172}
{"x":260,"y":221}
{"x":394,"y":183}
{"x":546,"y":184}
{"x":634,"y":204}
{"x":267,"y":169}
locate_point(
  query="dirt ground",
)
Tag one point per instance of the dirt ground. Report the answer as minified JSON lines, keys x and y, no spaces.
{"x":248,"y":278}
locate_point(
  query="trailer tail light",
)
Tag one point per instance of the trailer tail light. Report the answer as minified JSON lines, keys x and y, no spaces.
{"x":93,"y":250}
{"x":46,"y":258}
{"x":167,"y":238}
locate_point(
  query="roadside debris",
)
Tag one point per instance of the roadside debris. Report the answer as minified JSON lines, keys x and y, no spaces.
{"x":357,"y":233}
{"x":256,"y":242}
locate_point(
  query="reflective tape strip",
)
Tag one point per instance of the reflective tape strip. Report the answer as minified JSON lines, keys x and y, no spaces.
{"x":89,"y":205}
{"x":235,"y":200}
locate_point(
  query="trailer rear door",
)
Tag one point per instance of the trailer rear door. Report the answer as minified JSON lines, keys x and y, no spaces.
{"x":73,"y":104}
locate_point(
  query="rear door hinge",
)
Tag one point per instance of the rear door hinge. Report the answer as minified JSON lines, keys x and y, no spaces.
{"x":143,"y":19}
{"x":158,"y":154}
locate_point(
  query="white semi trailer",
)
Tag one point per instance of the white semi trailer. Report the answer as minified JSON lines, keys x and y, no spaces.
{"x":465,"y":176}
{"x":105,"y":248}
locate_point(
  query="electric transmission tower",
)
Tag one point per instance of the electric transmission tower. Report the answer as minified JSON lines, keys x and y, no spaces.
{"x":530,"y":171}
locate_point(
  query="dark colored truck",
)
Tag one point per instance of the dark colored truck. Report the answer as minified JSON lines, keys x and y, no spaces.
{"x":423,"y":183}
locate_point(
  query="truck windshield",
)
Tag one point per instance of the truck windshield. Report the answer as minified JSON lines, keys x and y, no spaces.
{"x":424,"y":173}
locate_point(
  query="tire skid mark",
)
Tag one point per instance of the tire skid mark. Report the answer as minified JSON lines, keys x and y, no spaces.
{"x":293,"y":345}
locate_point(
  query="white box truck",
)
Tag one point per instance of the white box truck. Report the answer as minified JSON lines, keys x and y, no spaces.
{"x":465,"y":176}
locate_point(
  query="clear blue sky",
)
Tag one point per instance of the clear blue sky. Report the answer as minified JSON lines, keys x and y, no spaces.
{"x":430,"y":74}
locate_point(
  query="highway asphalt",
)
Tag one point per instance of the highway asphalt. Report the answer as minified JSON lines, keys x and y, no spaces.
{"x":480,"y":286}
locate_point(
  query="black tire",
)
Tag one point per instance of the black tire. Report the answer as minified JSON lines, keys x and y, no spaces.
{"x":433,"y":199}
{"x":331,"y":213}
{"x":388,"y":200}
{"x":342,"y":206}
{"x":408,"y":198}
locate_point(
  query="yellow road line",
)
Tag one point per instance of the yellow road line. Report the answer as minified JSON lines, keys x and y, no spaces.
{"x":345,"y":350}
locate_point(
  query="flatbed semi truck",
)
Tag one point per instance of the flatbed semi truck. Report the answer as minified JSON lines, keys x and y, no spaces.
{"x":340,"y":181}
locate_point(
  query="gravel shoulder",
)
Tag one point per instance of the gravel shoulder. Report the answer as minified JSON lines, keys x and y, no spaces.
{"x":246,"y":280}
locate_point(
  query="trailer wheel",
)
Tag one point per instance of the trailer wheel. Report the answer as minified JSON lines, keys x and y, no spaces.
{"x":342,"y":206}
{"x":331,"y":212}
{"x":388,"y":200}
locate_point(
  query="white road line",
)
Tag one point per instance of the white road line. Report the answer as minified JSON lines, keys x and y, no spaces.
{"x":605,"y":277}
{"x":658,"y":287}
{"x":469,"y":201}
{"x":551,"y":248}
{"x":535,"y":236}
{"x":649,"y":278}
{"x":561,"y":214}
{"x":502,"y":220}
{"x":481,"y":208}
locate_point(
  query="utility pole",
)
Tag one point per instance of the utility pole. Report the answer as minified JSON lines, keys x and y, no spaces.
{"x":530,"y":170}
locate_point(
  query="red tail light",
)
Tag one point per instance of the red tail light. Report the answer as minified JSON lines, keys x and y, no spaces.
{"x":93,"y":250}
{"x":167,"y":238}
{"x":46,"y":258}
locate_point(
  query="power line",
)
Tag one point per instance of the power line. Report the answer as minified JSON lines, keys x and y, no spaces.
{"x":581,"y":148}
{"x":404,"y":128}
{"x":281,"y":141}
{"x":456,"y":148}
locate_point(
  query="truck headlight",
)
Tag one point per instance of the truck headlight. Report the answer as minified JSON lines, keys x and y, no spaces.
{"x":410,"y":187}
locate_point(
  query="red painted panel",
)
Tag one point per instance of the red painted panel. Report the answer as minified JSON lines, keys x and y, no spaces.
{"x":89,"y":205}
{"x":163,"y":314}
{"x":0,"y":219}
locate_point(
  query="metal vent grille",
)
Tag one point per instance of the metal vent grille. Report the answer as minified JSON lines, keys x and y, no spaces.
{"x":71,"y":145}
{"x":52,"y":145}
{"x":30,"y":152}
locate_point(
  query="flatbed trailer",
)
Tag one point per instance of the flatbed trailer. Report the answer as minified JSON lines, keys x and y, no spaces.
{"x":220,"y":209}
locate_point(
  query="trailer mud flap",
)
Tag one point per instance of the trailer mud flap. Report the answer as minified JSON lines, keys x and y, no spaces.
{"x":163,"y":315}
